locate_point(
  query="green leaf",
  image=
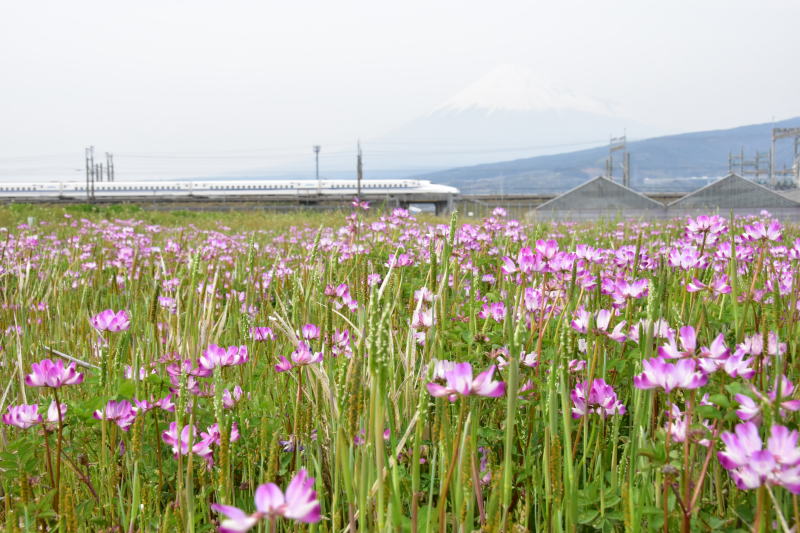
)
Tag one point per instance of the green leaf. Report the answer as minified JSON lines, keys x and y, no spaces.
{"x":720,"y":400}
{"x":588,"y":516}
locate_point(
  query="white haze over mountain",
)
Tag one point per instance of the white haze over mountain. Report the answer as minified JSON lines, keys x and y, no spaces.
{"x":511,"y":112}
{"x":518,"y":88}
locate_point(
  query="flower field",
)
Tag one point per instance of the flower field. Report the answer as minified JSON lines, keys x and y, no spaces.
{"x":381,"y":373}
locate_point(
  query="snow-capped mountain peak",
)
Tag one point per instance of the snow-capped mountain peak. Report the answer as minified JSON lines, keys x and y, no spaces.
{"x":519,"y":88}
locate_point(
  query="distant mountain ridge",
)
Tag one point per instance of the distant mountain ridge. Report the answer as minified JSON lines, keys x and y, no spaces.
{"x":512,"y":111}
{"x":673,"y":162}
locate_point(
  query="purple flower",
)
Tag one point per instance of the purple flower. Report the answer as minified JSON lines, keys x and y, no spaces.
{"x":341,"y":343}
{"x":496,"y":311}
{"x":459,"y":381}
{"x":750,"y":410}
{"x":598,"y":398}
{"x":750,"y":466}
{"x":302,"y":356}
{"x":121,"y":413}
{"x":217,"y":356}
{"x":309,"y":331}
{"x":625,"y":290}
{"x":760,"y":232}
{"x":51,"y":419}
{"x":737,"y":366}
{"x":422,"y":319}
{"x":22,"y":416}
{"x":706,"y":224}
{"x":298,"y":503}
{"x":212,"y":434}
{"x":602,"y":320}
{"x":262,"y":334}
{"x":658,"y":373}
{"x":718,"y":286}
{"x":688,"y":339}
{"x":677,"y":425}
{"x":231,"y":398}
{"x":110,"y":320}
{"x":47,"y":373}
{"x":180,"y":443}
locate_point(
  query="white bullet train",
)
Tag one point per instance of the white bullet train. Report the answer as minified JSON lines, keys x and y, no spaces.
{"x":407,"y":188}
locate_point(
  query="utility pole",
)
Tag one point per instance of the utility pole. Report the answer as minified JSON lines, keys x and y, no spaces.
{"x":109,"y":166}
{"x":90,"y":170}
{"x":98,"y":172}
{"x":317,"y":148}
{"x":88,"y":153}
{"x":794,"y":172}
{"x":359,"y":171}
{"x":626,"y":169}
{"x":617,"y":144}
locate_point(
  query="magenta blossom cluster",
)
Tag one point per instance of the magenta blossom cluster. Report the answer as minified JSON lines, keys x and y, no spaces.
{"x":121,"y":413}
{"x":216,"y":356}
{"x":459,"y":381}
{"x":47,"y":373}
{"x":298,"y":503}
{"x":750,"y":410}
{"x":25,"y":416}
{"x":601,"y":322}
{"x":202,"y":446}
{"x":110,"y":320}
{"x":711,"y":358}
{"x":658,"y":373}
{"x":302,"y":356}
{"x":750,"y":466}
{"x":761,"y":232}
{"x":262,"y":333}
{"x":598,"y":398}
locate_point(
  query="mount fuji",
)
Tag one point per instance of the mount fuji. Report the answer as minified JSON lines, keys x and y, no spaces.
{"x":511,"y":112}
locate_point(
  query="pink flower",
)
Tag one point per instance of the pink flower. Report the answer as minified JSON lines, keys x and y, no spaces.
{"x":422,"y":319}
{"x":750,"y":466}
{"x":576,"y":365}
{"x":625,"y":290}
{"x":217,"y":356}
{"x":496,"y":311}
{"x":231,"y":398}
{"x":302,"y":356}
{"x":298,"y":503}
{"x":459,"y":381}
{"x":110,"y":320}
{"x":602,"y":320}
{"x":47,"y":373}
{"x":717,"y":287}
{"x":121,"y":413}
{"x":750,"y":410}
{"x":51,"y":419}
{"x":677,"y":425}
{"x":309,"y":331}
{"x":658,"y":373}
{"x":598,"y":398}
{"x":212,"y":434}
{"x":180,"y":444}
{"x":760,"y":232}
{"x":22,"y":416}
{"x":688,"y":339}
{"x":283,"y":364}
{"x":706,"y":224}
{"x":341,"y":343}
{"x":262,"y":334}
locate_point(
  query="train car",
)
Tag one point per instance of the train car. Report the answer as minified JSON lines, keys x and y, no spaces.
{"x":212,"y":189}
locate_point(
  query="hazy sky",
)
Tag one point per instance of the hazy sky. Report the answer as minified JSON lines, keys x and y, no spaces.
{"x":169,"y":83}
